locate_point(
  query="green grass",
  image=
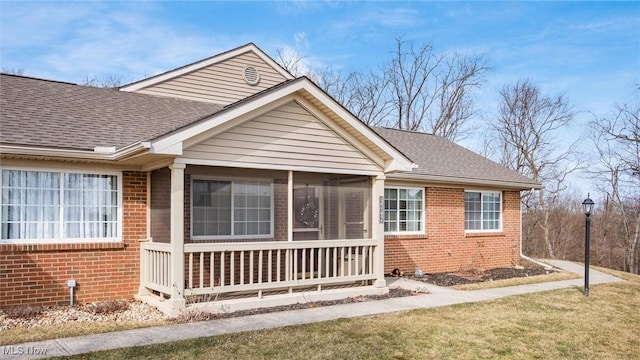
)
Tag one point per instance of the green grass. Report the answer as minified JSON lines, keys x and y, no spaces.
{"x":561,"y":324}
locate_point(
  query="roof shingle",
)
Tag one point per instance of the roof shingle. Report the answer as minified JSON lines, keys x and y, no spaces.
{"x":441,"y":160}
{"x":35,"y":112}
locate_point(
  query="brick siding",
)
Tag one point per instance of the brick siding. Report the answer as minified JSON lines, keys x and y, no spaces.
{"x":38,"y":274}
{"x":446,"y":247}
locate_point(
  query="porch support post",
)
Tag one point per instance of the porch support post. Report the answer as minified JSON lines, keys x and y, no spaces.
{"x":377,"y":227}
{"x":290,"y":207}
{"x":177,"y":236}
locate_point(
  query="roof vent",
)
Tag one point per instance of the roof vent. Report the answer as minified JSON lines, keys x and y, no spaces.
{"x":251,"y":75}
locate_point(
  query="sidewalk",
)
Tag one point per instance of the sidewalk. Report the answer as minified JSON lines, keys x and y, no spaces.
{"x":437,"y":296}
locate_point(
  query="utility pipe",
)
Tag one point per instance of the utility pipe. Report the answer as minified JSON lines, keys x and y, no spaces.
{"x":523,"y":256}
{"x":71,"y":284}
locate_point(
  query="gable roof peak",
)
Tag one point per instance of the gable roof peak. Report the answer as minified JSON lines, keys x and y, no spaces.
{"x":170,"y":74}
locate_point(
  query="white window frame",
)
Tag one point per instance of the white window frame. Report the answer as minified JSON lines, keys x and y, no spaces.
{"x":482,"y":230}
{"x":61,"y":239}
{"x":422,"y":211}
{"x":232,"y":180}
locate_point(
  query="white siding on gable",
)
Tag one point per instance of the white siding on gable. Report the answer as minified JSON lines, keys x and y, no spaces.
{"x":221,"y":83}
{"x":288,"y":136}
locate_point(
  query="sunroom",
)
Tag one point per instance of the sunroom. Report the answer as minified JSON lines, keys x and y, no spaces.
{"x":281,"y":206}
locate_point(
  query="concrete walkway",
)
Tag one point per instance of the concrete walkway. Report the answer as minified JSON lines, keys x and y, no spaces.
{"x":437,"y":296}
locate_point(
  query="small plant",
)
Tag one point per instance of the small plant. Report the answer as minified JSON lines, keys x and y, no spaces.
{"x":193,"y":314}
{"x":108,"y":307}
{"x":22,"y":312}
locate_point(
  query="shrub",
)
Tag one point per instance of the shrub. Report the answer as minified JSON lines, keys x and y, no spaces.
{"x":22,"y":312}
{"x":108,"y":307}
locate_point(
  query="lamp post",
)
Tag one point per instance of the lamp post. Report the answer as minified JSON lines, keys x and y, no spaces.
{"x":587,"y":208}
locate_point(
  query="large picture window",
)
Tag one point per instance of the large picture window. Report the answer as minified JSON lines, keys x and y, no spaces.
{"x":482,"y":211}
{"x":403,"y":210}
{"x":224,"y":209}
{"x":46,"y":206}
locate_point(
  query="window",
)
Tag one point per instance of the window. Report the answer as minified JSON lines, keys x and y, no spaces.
{"x":482,"y":211}
{"x":223,"y":209}
{"x":59,"y":206}
{"x":403,"y":210}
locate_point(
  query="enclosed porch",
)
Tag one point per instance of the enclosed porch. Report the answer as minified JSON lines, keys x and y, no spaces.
{"x":227,"y":239}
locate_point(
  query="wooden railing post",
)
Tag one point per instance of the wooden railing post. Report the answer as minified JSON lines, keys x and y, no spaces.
{"x":144,"y":270}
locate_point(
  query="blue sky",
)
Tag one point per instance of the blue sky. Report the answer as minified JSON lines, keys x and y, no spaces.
{"x":589,"y":51}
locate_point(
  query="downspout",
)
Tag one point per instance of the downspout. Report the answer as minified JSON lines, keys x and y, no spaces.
{"x":523,"y":256}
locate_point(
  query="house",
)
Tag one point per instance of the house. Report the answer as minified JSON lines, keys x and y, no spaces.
{"x":229,"y":183}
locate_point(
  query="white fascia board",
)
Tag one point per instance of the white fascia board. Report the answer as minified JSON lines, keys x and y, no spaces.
{"x":221,"y":163}
{"x":207,"y":62}
{"x":394,"y":165}
{"x":134,"y":149}
{"x":465,"y":182}
{"x":399,"y":163}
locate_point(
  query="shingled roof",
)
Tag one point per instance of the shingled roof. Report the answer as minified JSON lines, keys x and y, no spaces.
{"x":35,"y":112}
{"x":50,"y":114}
{"x":442,"y":161}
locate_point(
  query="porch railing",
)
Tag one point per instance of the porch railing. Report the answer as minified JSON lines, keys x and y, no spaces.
{"x":258,"y":267}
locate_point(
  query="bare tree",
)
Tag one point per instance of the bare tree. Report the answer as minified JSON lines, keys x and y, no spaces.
{"x":419,"y":90}
{"x":526,"y":128}
{"x":412,"y":73}
{"x":292,"y":61}
{"x":367,"y":97}
{"x":463,"y":74}
{"x":617,"y":139}
{"x":13,"y":71}
{"x":433,"y":92}
{"x":364,"y":94}
{"x":109,"y":81}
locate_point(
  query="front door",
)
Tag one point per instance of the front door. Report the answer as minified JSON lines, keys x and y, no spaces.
{"x":307,"y":213}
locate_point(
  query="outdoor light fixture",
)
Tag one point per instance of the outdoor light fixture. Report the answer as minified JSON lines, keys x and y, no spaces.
{"x":587,"y":208}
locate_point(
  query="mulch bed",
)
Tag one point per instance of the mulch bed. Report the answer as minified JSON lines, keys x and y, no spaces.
{"x":475,"y":276}
{"x":525,"y":269}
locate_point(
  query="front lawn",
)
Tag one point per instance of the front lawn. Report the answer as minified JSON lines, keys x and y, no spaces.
{"x":561,"y":324}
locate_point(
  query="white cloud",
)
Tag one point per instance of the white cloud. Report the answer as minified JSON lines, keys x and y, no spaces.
{"x":301,"y":40}
{"x":72,"y":41}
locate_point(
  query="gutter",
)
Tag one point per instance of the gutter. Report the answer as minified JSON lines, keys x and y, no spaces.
{"x":460,"y":181}
{"x":66,"y":153}
{"x":106,"y":153}
{"x":130,"y":150}
{"x":523,"y":256}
